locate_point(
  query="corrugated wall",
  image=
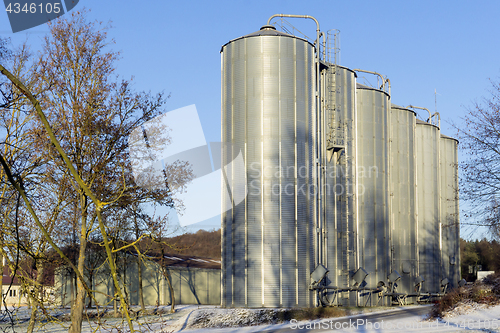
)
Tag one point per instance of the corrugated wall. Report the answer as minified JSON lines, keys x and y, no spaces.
{"x":191,"y":286}
{"x":449,"y":210}
{"x":396,"y":198}
{"x":267,"y":105}
{"x":372,"y":186}
{"x":340,"y":213}
{"x":428,"y":205}
{"x":403,"y":196}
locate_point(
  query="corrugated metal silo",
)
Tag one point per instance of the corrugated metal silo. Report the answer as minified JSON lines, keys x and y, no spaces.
{"x":450,"y":236}
{"x":267,"y":110}
{"x":372,"y":142}
{"x":428,"y":205}
{"x":403,"y":196}
{"x":340,"y":90}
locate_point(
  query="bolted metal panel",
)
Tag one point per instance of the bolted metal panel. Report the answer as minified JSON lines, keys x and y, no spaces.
{"x":267,"y":105}
{"x":372,"y":185}
{"x":428,"y":205}
{"x":450,"y":230}
{"x":403,"y":228}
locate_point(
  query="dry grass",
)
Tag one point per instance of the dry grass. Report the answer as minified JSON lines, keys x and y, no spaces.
{"x":311,"y":313}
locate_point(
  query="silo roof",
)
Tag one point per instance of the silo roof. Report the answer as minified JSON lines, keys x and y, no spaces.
{"x":448,"y":137}
{"x":362,"y":86}
{"x":419,"y":121}
{"x":346,"y":68}
{"x":267,"y":30}
{"x":394,"y":106}
{"x":329,"y":64}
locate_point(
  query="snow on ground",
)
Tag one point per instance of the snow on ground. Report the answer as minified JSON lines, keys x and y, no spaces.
{"x":151,"y":323}
{"x":465,"y":308}
{"x":222,"y":318}
{"x":475,"y":317}
{"x":469,"y":317}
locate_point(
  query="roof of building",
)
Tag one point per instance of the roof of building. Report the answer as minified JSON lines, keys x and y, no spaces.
{"x":7,"y":278}
{"x":177,"y":260}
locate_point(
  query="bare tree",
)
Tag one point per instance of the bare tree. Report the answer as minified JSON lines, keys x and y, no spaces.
{"x":84,"y":117}
{"x":480,"y":141}
{"x":92,"y":115}
{"x":19,"y":241}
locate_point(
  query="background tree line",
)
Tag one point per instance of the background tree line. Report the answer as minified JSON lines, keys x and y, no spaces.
{"x":484,"y":253}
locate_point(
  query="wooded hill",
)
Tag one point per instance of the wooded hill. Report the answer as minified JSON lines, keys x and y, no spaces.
{"x":202,"y":243}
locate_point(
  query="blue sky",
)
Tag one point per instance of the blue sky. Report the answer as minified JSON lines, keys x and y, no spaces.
{"x":421,"y":46}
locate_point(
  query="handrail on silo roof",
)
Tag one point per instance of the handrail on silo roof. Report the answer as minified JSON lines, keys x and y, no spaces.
{"x":375,"y":73}
{"x":421,"y":108}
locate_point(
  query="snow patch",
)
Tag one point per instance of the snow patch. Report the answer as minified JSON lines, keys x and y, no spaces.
{"x":464,"y":308}
{"x":223,"y":318}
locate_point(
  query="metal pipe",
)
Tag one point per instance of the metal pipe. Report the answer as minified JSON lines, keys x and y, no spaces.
{"x":324,"y":156}
{"x":355,"y":176}
{"x":389,"y":86}
{"x":295,"y":16}
{"x":375,"y":73}
{"x":321,"y":34}
{"x":346,"y":289}
{"x":439,"y":118}
{"x":323,"y":168}
{"x":421,"y":108}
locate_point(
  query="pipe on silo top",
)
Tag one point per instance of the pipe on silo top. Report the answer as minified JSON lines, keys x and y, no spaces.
{"x":439,"y":118}
{"x":421,"y":108}
{"x":375,"y":73}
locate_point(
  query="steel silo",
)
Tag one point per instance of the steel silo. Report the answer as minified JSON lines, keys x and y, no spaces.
{"x":403,"y":196}
{"x":339,"y":87}
{"x":372,"y":141}
{"x":267,"y":110}
{"x":428,"y":204}
{"x":450,"y":238}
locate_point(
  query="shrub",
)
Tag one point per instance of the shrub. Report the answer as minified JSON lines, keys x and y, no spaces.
{"x":487,"y":292}
{"x":448,"y":302}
